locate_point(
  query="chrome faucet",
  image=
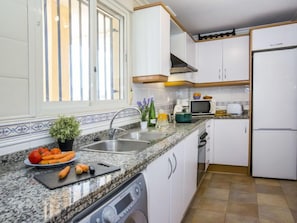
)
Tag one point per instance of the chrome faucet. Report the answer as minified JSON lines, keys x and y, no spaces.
{"x":112,"y":131}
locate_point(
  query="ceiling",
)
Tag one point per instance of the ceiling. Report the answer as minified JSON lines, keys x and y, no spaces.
{"x":207,"y":16}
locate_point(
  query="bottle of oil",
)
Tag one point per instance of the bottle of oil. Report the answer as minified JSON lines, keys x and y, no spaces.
{"x":152,"y":114}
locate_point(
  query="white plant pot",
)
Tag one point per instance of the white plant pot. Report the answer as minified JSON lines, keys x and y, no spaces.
{"x":143,"y":125}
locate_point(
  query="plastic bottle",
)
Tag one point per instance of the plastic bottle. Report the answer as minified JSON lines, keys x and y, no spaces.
{"x":152,"y":115}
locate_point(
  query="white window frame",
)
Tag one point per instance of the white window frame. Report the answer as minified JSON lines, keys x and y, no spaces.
{"x":91,"y":106}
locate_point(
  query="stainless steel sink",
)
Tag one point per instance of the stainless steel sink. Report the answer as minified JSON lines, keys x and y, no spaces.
{"x":144,"y":136}
{"x":118,"y":146}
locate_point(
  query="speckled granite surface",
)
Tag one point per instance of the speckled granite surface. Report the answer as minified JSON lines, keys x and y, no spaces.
{"x":23,"y":199}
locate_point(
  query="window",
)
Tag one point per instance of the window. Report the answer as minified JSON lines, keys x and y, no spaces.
{"x":68,"y":57}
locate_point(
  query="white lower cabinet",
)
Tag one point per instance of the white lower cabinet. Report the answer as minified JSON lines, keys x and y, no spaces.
{"x":190,"y":148}
{"x":169,"y":189}
{"x":231,"y":142}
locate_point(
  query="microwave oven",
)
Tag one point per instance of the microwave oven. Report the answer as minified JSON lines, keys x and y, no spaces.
{"x":202,"y":107}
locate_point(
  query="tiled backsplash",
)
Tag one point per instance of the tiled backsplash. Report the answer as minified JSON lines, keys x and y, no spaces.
{"x":25,"y":135}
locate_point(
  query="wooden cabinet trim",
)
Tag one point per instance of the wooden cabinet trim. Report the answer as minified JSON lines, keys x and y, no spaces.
{"x":211,"y":84}
{"x":223,"y":83}
{"x":178,"y":83}
{"x":150,"y":78}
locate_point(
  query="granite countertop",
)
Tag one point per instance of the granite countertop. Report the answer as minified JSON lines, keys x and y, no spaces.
{"x":23,"y":199}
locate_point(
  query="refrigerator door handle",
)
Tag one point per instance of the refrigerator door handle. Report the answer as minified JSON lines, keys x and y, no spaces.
{"x":275,"y":129}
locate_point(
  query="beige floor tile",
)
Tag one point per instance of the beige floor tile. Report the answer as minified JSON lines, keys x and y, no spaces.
{"x":212,"y":205}
{"x":272,"y":200}
{"x":270,"y":182}
{"x":215,"y":193}
{"x":242,"y":179}
{"x":292,"y":202}
{"x":221,"y":177}
{"x":244,"y":188}
{"x":203,"y":216}
{"x":189,"y":215}
{"x":242,"y":209}
{"x":236,"y":196}
{"x":294,"y":214}
{"x":268,"y":189}
{"x":208,"y":176}
{"x":233,"y":218}
{"x":220,"y":185}
{"x":270,"y":214}
{"x":289,"y":187}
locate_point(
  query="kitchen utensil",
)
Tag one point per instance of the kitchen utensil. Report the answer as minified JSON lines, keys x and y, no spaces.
{"x":234,"y":109}
{"x":52,"y":181}
{"x":183,"y":117}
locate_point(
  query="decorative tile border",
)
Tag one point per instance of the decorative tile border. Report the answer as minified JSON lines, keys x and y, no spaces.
{"x":37,"y":127}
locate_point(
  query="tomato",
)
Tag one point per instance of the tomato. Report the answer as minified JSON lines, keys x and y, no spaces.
{"x":34,"y":156}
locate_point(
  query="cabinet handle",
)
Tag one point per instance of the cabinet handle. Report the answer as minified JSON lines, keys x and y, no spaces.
{"x":225,"y":75}
{"x":175,"y":160}
{"x":245,"y":129}
{"x":276,"y":44}
{"x":170,"y":168}
{"x":219,"y":74}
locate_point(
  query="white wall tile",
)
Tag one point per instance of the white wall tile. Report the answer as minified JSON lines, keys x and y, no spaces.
{"x":13,"y":20}
{"x":14,"y":58}
{"x":14,"y":93}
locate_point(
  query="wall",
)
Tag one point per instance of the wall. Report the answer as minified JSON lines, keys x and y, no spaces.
{"x":164,"y":97}
{"x":225,"y":95}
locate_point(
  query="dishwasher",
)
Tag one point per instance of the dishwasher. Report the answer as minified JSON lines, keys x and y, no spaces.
{"x":126,"y":204}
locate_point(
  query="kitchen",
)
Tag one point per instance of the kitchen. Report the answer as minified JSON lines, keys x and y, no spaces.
{"x":16,"y":137}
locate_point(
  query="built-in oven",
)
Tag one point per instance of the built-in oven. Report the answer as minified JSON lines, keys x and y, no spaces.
{"x":201,"y":156}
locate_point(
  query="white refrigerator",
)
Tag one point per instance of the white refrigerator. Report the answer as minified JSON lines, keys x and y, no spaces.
{"x":274,"y":119}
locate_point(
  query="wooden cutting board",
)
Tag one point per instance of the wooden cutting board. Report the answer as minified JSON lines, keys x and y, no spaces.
{"x":52,"y":181}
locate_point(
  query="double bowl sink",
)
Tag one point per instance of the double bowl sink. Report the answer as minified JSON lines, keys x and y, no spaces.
{"x":128,"y":143}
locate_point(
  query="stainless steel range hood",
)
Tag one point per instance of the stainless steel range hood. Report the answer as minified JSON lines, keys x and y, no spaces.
{"x":179,"y":66}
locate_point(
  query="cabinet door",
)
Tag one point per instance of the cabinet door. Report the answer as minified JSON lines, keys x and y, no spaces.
{"x":190,"y":147}
{"x":274,"y":37}
{"x":178,"y":45}
{"x":210,"y":61}
{"x":236,"y":59}
{"x":176,"y":186}
{"x":157,"y":180}
{"x":231,"y":142}
{"x":191,"y":51}
{"x":151,"y":41}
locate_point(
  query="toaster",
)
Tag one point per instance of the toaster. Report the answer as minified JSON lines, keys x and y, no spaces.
{"x":234,"y":109}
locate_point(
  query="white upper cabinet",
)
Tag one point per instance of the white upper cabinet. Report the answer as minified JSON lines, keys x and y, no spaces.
{"x":274,"y":37}
{"x":236,"y":59}
{"x":183,"y":46}
{"x":223,"y":60}
{"x":151,"y":42}
{"x":209,"y":61}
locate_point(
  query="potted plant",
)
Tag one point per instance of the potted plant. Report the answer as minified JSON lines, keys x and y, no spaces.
{"x":144,"y":109}
{"x":65,"y":130}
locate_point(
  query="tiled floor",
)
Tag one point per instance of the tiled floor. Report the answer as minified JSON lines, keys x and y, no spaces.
{"x":232,"y":198}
